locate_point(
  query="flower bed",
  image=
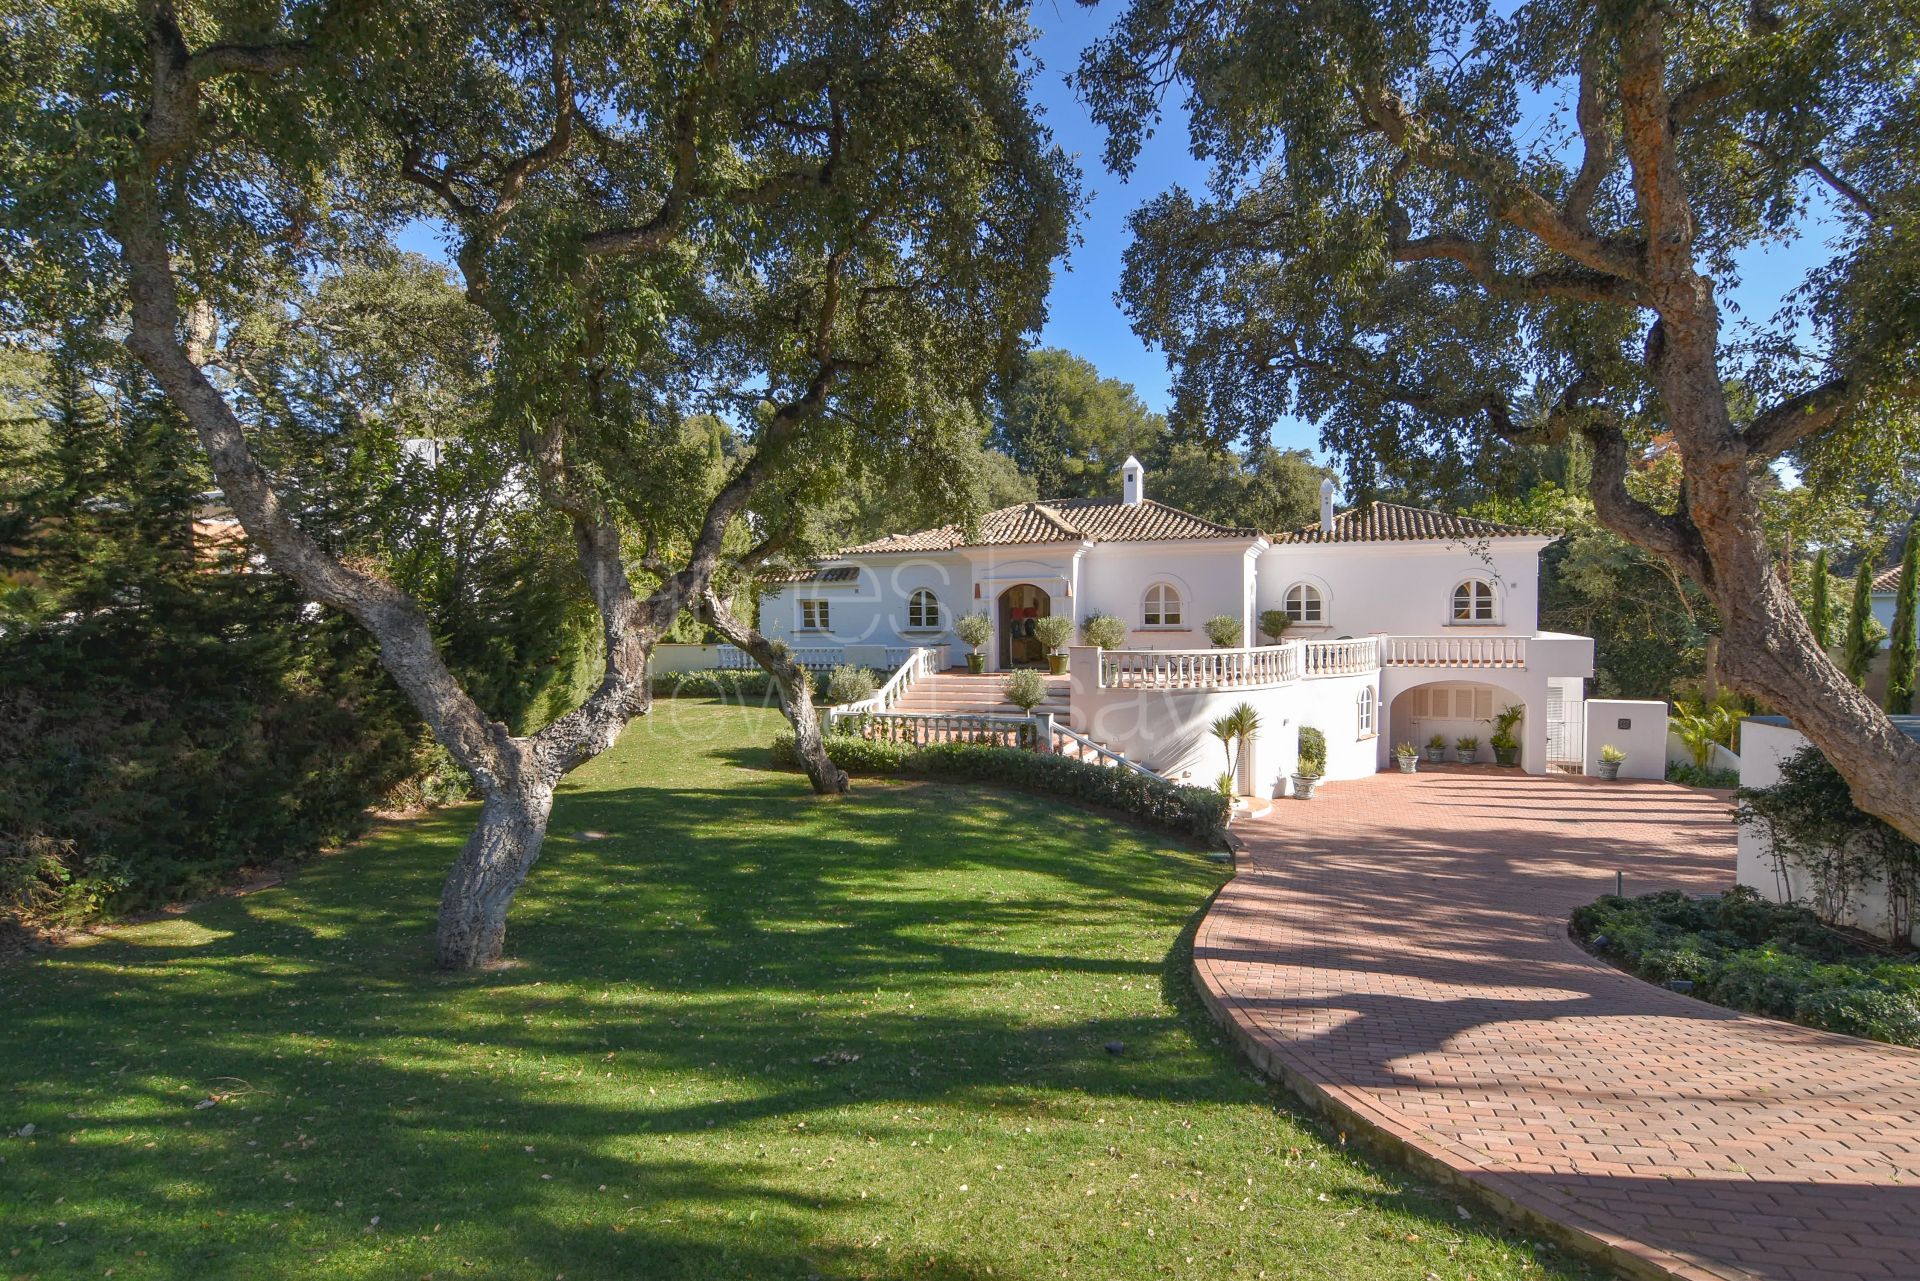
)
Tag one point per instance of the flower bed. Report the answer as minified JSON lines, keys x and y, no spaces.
{"x":1739,"y":950}
{"x":1192,"y":811}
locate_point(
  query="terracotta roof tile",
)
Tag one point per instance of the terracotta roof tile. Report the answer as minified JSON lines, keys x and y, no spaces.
{"x":1887,"y":579}
{"x":1393,"y":523}
{"x":830,"y":574}
{"x":1100,"y":520}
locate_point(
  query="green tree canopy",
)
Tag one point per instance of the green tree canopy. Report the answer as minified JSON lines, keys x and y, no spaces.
{"x":1425,"y":218}
{"x":1070,"y":428}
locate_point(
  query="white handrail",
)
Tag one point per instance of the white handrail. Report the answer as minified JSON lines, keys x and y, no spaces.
{"x":1455,"y":651}
{"x":1249,"y":668}
{"x":920,"y":662}
{"x":815,"y":658}
{"x":1341,"y":657}
{"x":1078,"y":747}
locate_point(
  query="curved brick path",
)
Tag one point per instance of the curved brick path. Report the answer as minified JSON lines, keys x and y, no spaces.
{"x":1396,"y":950}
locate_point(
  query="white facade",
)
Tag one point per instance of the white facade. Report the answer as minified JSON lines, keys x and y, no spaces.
{"x":1451,"y":605}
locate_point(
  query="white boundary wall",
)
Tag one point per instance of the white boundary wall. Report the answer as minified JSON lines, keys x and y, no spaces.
{"x":1635,"y":727}
{"x":1764,"y":743}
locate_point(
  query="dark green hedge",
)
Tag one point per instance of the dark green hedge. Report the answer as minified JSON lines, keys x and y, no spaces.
{"x":750,"y":682}
{"x":1739,"y":950}
{"x":1192,"y":811}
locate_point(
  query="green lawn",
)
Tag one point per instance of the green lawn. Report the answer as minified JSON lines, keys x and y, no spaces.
{"x":747,"y":1034}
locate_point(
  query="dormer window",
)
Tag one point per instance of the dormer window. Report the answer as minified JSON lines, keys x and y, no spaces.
{"x":1473,"y":601}
{"x":1304,"y":604}
{"x":1160,"y":607}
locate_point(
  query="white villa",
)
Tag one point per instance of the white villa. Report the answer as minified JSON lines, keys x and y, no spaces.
{"x":1406,"y":623}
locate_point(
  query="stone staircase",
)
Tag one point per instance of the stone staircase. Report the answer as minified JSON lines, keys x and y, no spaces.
{"x":958,"y":690}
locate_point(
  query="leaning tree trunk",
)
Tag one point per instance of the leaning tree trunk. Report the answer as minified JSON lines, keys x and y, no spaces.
{"x":794,"y":686}
{"x":478,"y":891}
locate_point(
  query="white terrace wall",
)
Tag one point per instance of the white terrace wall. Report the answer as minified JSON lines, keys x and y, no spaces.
{"x":1170,"y":730}
{"x":1212,"y":577}
{"x":675,"y":657}
{"x":1764,"y":743}
{"x":1635,"y":727}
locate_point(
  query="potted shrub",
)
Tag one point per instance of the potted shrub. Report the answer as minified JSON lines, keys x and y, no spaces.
{"x":1506,"y":746}
{"x":1466,"y":747}
{"x":1053,"y":632}
{"x":1611,"y":759}
{"x":1407,"y":757}
{"x":1313,"y":762}
{"x":1026,"y":689}
{"x":1224,"y":631}
{"x":1274,"y":624}
{"x":975,"y":629}
{"x":1103,"y":632}
{"x":847,"y":683}
{"x":1437,"y":749}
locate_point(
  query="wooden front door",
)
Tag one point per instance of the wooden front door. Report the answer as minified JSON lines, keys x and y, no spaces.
{"x":1020,"y":605}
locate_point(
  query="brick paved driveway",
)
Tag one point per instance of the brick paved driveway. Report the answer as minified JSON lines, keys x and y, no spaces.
{"x":1396,"y":950}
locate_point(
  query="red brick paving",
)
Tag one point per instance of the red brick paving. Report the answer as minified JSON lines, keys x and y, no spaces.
{"x":1396,"y":950}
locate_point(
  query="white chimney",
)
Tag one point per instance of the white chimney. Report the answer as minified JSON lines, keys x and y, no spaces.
{"x":1326,"y":506}
{"x":1133,"y":482}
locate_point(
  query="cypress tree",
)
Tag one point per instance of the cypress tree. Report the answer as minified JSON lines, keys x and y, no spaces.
{"x":1822,"y":619}
{"x":1901,"y":661}
{"x":1861,"y":645}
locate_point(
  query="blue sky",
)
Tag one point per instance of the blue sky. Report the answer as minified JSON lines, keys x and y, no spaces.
{"x":1084,"y":317}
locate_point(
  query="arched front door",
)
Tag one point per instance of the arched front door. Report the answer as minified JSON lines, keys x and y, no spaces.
{"x":1019,"y":606}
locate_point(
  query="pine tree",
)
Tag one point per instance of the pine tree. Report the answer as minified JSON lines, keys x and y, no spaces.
{"x":1902,"y":660}
{"x":1861,"y":644}
{"x":1822,"y":619}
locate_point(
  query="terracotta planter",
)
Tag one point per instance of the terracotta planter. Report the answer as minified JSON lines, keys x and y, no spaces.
{"x":976,"y":663}
{"x":1057,"y":664}
{"x":1303,"y":787}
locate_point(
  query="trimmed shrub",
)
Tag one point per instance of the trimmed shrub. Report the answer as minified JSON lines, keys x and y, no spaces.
{"x":1025,"y":688}
{"x":1313,"y":753}
{"x":1103,"y":630}
{"x":1190,"y":811}
{"x":746,"y":682}
{"x":1224,"y":631}
{"x":1053,"y":631}
{"x":1274,"y":623}
{"x":1741,"y":951}
{"x":847,"y":683}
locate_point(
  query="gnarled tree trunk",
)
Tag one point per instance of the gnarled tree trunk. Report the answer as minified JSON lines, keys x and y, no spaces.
{"x":503,"y":847}
{"x":794,"y":686}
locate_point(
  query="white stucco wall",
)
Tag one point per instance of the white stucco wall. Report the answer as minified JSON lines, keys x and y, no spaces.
{"x":872,"y":610}
{"x":1405,"y":588}
{"x":1764,"y":743}
{"x":1643,"y":736}
{"x":1212,"y":577}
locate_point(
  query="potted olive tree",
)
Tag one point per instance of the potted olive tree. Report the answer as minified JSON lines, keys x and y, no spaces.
{"x":1313,"y":762}
{"x":1611,"y":759}
{"x":1224,"y":631}
{"x":1506,"y":746}
{"x":975,"y":629}
{"x":1025,"y":688}
{"x":1053,"y":632}
{"x":1274,"y":624}
{"x":1407,"y":757}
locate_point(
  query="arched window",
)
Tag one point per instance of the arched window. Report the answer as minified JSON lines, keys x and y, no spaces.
{"x":1473,"y":601}
{"x":1304,"y":604}
{"x":1365,"y":707}
{"x":1160,"y":607}
{"x":923,"y":610}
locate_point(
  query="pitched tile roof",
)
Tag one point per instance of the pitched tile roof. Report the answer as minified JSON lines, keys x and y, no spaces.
{"x":1379,"y":522}
{"x":1100,"y":520}
{"x":830,"y":574}
{"x":1887,"y":579}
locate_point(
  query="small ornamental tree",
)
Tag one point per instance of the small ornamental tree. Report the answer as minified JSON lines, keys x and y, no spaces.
{"x":1053,"y":631}
{"x":1025,"y":688}
{"x":1274,"y":623}
{"x":1820,"y":616}
{"x":1902,"y":658}
{"x":1224,"y":631}
{"x":1863,"y":632}
{"x":1104,"y":631}
{"x":974,"y":630}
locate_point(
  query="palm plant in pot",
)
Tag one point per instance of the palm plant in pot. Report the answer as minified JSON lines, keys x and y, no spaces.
{"x":1407,"y":757}
{"x":1235,"y":731}
{"x":1466,"y":747}
{"x":1054,"y":631}
{"x":1313,"y":762}
{"x":1611,"y":759}
{"x":1506,"y":746}
{"x":1437,"y":749}
{"x":974,"y":629}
